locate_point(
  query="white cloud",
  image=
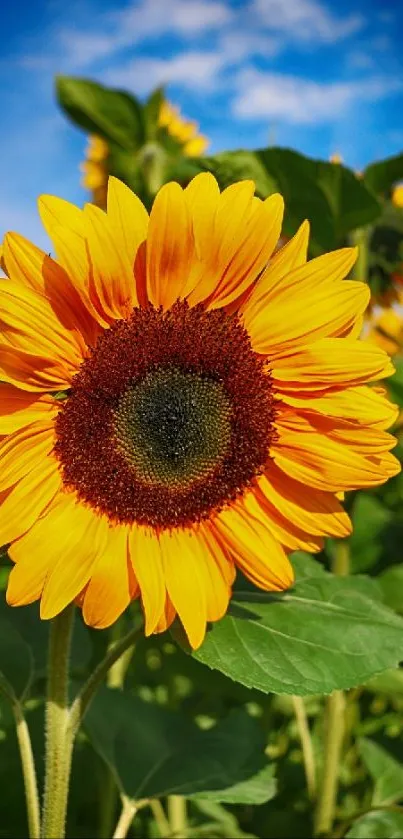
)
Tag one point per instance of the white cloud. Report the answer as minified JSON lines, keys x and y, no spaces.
{"x":292,"y":99}
{"x":305,"y":20}
{"x":190,"y":69}
{"x":135,"y":23}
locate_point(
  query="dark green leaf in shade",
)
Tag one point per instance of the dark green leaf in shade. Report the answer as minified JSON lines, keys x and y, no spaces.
{"x":391,"y":583}
{"x":152,"y":110}
{"x":385,"y":770}
{"x":231,"y":166}
{"x":155,"y":752}
{"x":260,"y":788}
{"x":381,"y":176}
{"x":395,"y":383}
{"x":113,"y":114}
{"x":370,"y":518}
{"x":377,"y":825}
{"x":325,"y":634}
{"x":352,"y":203}
{"x":16,"y":661}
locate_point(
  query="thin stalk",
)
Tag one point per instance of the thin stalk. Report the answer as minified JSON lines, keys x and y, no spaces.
{"x":177,"y":815}
{"x":127,"y":815}
{"x":306,"y":744}
{"x":109,"y":798}
{"x":87,"y":692}
{"x":59,"y":742}
{"x":160,"y":818}
{"x":334,"y":728}
{"x":28,"y":771}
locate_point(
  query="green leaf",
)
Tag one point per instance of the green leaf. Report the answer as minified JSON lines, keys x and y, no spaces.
{"x":395,"y":383}
{"x":152,"y":110}
{"x":370,"y":518}
{"x":231,"y":166}
{"x":352,"y":204}
{"x":256,"y":790}
{"x":391,"y":583}
{"x":113,"y":114}
{"x":306,"y":566}
{"x":325,"y":634}
{"x":16,"y":661}
{"x":381,"y":176}
{"x":377,"y":825}
{"x":155,"y":752}
{"x":385,"y":770}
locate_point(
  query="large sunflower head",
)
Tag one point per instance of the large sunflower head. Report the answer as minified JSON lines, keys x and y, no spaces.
{"x":185,"y":131}
{"x":177,"y":403}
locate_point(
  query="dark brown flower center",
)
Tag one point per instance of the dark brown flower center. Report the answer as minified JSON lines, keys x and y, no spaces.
{"x":169,"y":419}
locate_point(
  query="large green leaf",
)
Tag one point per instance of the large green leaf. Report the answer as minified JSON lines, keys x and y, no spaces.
{"x":231,"y":166}
{"x":352,"y":204}
{"x":325,"y":634}
{"x":381,"y":176}
{"x":370,"y":518}
{"x":16,"y":661}
{"x":154,"y":752}
{"x":377,"y":825}
{"x":385,"y":770}
{"x":260,"y":788}
{"x":113,"y":114}
{"x":391,"y":583}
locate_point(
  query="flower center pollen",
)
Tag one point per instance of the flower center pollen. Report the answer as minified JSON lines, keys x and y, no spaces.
{"x":169,"y":419}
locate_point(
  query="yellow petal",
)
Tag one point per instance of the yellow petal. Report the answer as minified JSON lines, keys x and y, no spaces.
{"x":145,"y":556}
{"x":25,"y":450}
{"x":128,"y":218}
{"x":362,"y":405}
{"x":33,"y":372}
{"x":108,"y":592}
{"x":27,"y":500}
{"x":170,"y":246}
{"x":255,"y":551}
{"x":329,"y":362}
{"x":18,"y":408}
{"x":74,"y":536}
{"x":112,"y":271}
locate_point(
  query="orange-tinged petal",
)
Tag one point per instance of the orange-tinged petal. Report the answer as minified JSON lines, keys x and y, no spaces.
{"x":256,"y":245}
{"x":311,"y":510}
{"x":290,"y":256}
{"x":108,"y":592}
{"x":32,"y":372}
{"x":170,"y":246}
{"x":23,"y":451}
{"x":29,"y":324}
{"x":112,"y":270}
{"x":254,"y":549}
{"x":202,"y":195}
{"x":74,"y":536}
{"x":128,"y":218}
{"x":319,"y":461}
{"x":167,"y":618}
{"x":145,"y":556}
{"x":27,"y":501}
{"x":330,"y":362}
{"x":365,"y":406}
{"x":18,"y":408}
{"x":35,"y":269}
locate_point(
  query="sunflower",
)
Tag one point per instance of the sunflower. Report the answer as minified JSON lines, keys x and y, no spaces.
{"x":186,"y":132}
{"x":95,"y":169}
{"x":386,"y":330}
{"x":178,"y":403}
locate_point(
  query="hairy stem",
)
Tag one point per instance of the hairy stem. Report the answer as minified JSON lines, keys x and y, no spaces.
{"x":127,"y":815}
{"x":59,"y":742}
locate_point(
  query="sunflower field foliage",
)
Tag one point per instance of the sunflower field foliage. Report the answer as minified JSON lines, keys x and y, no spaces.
{"x":201,"y":423}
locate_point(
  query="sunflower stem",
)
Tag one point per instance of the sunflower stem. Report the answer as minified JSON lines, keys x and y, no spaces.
{"x":334,"y":728}
{"x":306,"y":745}
{"x":59,"y":742}
{"x":28,"y":771}
{"x":129,"y":810}
{"x":177,"y":815}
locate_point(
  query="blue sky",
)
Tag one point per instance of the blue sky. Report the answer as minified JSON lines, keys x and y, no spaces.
{"x":317,"y":75}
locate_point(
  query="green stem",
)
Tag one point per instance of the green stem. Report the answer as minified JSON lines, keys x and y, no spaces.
{"x":127,"y":815}
{"x":177,"y":815}
{"x":109,"y":798}
{"x":306,"y":744}
{"x":29,"y":773}
{"x":360,"y":237}
{"x":87,"y":692}
{"x":334,"y":728}
{"x":160,"y":818}
{"x":59,"y":742}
